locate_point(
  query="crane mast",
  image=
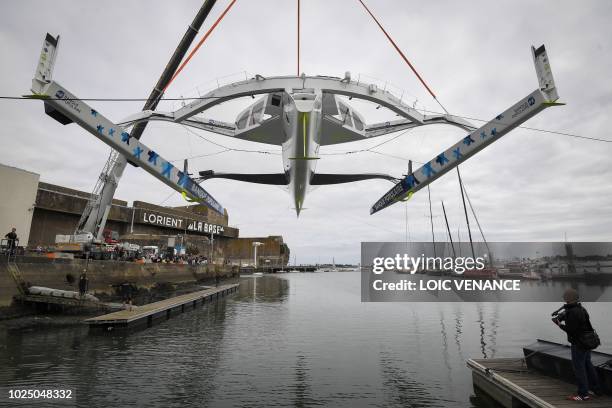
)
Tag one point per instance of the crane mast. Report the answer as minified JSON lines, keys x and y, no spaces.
{"x":99,"y":204}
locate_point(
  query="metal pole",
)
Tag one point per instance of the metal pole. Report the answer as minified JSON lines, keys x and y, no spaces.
{"x":173,"y":64}
{"x":467,"y":220}
{"x":132,"y":223}
{"x":198,"y":45}
{"x":450,"y":236}
{"x":433,"y":237}
{"x":477,"y":222}
{"x":459,"y":240}
{"x":212,"y":247}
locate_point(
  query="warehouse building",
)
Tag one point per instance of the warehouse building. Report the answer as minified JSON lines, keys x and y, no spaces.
{"x":40,"y":211}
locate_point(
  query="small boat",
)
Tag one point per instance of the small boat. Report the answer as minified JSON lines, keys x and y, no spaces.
{"x":486,"y":273}
{"x":530,"y":276}
{"x":59,"y":293}
{"x":333,"y":268}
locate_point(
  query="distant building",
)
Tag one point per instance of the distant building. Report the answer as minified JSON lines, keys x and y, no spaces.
{"x":273,"y":253}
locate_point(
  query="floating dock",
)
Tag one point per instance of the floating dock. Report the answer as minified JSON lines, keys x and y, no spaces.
{"x":555,"y":360}
{"x":512,"y":384}
{"x":149,"y":314}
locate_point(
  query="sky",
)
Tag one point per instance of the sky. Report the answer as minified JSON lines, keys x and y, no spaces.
{"x":475,"y":55}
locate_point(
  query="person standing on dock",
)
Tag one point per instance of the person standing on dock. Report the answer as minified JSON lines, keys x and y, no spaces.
{"x":574,"y":320}
{"x":12,"y":240}
{"x":83,"y":284}
{"x":126,"y":295}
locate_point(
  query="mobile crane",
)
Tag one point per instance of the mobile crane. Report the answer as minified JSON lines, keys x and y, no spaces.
{"x":66,"y":108}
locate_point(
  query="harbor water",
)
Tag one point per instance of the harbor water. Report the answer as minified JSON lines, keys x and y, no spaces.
{"x":296,"y":339}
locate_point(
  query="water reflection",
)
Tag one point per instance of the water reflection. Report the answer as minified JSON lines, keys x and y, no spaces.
{"x":263,"y":289}
{"x":444,"y":340}
{"x":493,"y":335}
{"x":302,"y":387}
{"x":481,"y":326}
{"x":290,"y":340}
{"x":458,"y":325}
{"x":403,"y":388}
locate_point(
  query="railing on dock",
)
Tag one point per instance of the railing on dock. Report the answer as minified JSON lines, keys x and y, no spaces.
{"x":13,"y":269}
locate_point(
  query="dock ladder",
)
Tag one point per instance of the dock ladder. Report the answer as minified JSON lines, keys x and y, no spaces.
{"x":15,"y":272}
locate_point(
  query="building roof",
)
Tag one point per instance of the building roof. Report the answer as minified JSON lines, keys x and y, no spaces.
{"x":19,"y":169}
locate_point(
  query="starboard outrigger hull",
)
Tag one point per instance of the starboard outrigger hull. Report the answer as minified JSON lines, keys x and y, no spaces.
{"x":480,"y":138}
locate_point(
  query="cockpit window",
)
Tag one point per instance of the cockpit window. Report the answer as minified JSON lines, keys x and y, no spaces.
{"x":276,"y":100}
{"x":345,"y":114}
{"x":358,"y":122}
{"x":257,"y":112}
{"x":242,"y":121}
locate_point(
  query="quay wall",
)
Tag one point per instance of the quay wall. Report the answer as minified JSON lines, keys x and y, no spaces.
{"x":55,"y":273}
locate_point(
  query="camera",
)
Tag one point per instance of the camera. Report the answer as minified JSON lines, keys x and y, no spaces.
{"x":558,"y":315}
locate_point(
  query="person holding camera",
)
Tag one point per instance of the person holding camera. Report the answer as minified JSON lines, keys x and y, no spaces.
{"x":573,"y":319}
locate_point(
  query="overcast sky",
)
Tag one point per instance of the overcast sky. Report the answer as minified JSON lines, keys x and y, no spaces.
{"x":475,"y":55}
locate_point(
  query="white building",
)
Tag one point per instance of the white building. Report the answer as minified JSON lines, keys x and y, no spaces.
{"x":17,"y":197}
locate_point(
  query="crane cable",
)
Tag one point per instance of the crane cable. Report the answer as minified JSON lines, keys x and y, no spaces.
{"x":225,"y":147}
{"x":403,"y":56}
{"x":197,"y":47}
{"x":298,"y":38}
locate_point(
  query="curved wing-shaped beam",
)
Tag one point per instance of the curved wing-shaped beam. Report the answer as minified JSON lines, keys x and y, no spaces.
{"x":383,"y":128}
{"x":260,"y":85}
{"x":251,"y":124}
{"x":341,"y":123}
{"x":336,"y":130}
{"x":215,"y":126}
{"x":266,"y":131}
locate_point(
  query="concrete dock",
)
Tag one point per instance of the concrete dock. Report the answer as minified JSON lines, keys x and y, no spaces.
{"x":512,"y":384}
{"x":149,"y":314}
{"x":103,"y":275}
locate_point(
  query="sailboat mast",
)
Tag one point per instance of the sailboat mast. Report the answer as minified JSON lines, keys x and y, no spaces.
{"x":450,"y":236}
{"x":433,"y":237}
{"x":467,"y":220}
